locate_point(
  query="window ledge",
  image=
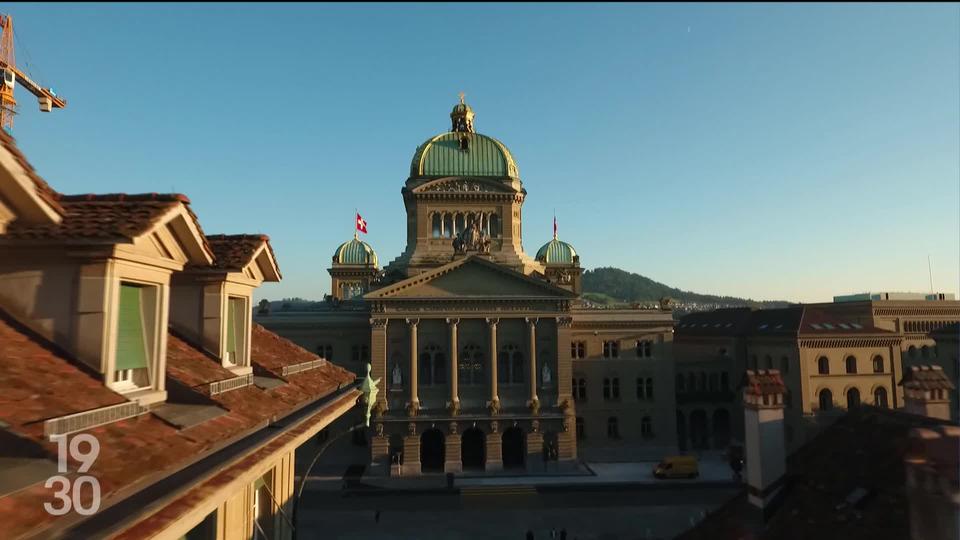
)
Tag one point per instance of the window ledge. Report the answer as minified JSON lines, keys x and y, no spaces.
{"x":147,"y":396}
{"x":239,"y":371}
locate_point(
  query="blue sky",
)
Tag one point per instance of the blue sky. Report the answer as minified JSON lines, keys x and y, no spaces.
{"x":766,"y":151}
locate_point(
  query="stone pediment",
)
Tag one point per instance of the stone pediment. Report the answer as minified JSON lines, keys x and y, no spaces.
{"x":462,"y":185}
{"x":471,"y":278}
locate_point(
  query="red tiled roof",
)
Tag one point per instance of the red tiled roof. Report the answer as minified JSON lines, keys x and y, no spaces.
{"x":764,"y":382}
{"x":926,"y":378}
{"x":39,"y":382}
{"x":235,"y":251}
{"x":114,"y":217}
{"x":44,"y":191}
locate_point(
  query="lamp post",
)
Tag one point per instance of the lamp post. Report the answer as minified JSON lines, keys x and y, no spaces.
{"x":368,"y":398}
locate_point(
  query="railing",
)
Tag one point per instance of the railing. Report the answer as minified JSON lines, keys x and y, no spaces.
{"x":226,"y":385}
{"x":89,"y":419}
{"x":302,"y":366}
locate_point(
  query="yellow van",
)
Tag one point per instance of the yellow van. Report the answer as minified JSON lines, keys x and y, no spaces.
{"x":677,"y":467}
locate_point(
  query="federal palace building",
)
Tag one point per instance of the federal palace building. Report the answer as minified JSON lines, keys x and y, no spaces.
{"x":490,"y":360}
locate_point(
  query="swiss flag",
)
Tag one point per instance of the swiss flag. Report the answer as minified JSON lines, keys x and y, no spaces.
{"x":361,"y":224}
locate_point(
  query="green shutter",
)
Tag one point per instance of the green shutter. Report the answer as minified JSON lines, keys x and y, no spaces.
{"x":131,"y":345}
{"x":234,"y":314}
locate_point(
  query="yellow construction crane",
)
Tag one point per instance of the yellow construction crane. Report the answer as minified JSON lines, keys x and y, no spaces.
{"x":12,"y":75}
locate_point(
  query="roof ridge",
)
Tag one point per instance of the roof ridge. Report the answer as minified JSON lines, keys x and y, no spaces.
{"x":124,"y":197}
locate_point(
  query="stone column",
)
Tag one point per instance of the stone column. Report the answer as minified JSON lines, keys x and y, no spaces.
{"x":454,"y":405}
{"x":411,"y":452}
{"x":534,"y":457}
{"x":452,"y":462}
{"x":494,"y":397}
{"x":379,"y":452}
{"x":532,"y":325}
{"x":414,"y":404}
{"x":378,"y":358}
{"x":564,"y":372}
{"x":494,"y":448}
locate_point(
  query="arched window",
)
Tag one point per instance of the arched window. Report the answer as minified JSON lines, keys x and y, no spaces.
{"x":768,"y":362}
{"x":494,"y":226}
{"x":880,"y":397}
{"x":724,"y":381}
{"x":878,"y":364}
{"x":723,"y":353}
{"x":646,"y":427}
{"x":784,"y":365}
{"x":613,"y":430}
{"x":436,"y":226}
{"x":433,"y":368}
{"x":912,"y":352}
{"x":691,"y":382}
{"x":680,"y":386}
{"x":510,"y":365}
{"x":853,"y":398}
{"x":823,"y":365}
{"x":447,"y":226}
{"x":714,"y":382}
{"x":649,"y":388}
{"x":924,"y":352}
{"x":826,"y":400}
{"x":702,"y":383}
{"x":851,"y":364}
{"x":471,"y":365}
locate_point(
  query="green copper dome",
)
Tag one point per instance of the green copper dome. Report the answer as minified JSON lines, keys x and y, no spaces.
{"x":357,"y":252}
{"x":557,"y":252}
{"x":462,"y":151}
{"x":444,"y":155}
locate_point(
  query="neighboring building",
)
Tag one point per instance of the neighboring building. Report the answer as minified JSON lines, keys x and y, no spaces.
{"x":947,"y":353}
{"x":873,"y":473}
{"x":488,"y":357}
{"x":121,"y":320}
{"x":832,"y":357}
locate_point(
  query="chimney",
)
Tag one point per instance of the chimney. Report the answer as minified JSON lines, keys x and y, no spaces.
{"x":766,"y":454}
{"x":926,"y":391}
{"x":933,"y":494}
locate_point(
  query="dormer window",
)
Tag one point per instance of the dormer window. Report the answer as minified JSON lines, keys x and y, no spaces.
{"x":134,"y":340}
{"x":236,"y":317}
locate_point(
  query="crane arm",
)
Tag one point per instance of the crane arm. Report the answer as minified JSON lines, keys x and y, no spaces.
{"x":33,"y":87}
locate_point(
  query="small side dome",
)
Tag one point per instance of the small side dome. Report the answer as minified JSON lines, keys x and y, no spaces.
{"x":355,"y":252}
{"x":557,"y":252}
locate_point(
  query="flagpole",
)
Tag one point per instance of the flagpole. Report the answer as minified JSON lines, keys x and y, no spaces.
{"x":356,"y":235}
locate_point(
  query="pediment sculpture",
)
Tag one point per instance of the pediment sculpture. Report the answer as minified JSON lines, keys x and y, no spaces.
{"x":472,"y":239}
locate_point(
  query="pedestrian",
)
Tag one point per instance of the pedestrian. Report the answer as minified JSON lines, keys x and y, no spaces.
{"x":376,"y":516}
{"x":529,"y":534}
{"x":563,"y":533}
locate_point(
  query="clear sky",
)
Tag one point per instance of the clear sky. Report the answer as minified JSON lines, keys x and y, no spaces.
{"x":767,"y":151}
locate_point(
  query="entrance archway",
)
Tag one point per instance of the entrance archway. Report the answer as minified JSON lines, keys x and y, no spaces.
{"x":699,"y":432}
{"x":513,"y":448}
{"x":431,"y":451}
{"x":681,"y":431}
{"x":473,"y":449}
{"x":721,"y":428}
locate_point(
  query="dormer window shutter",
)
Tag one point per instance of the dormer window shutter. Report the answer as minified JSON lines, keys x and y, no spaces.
{"x":232,"y":306}
{"x":131,"y":341}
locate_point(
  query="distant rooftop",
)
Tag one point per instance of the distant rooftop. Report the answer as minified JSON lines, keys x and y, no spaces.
{"x":861,"y":297}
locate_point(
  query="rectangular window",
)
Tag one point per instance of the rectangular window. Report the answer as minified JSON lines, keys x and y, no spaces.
{"x":578,"y":349}
{"x":611,"y":349}
{"x":325,"y":351}
{"x":235,"y":333}
{"x":263,"y":505}
{"x":131,"y":353}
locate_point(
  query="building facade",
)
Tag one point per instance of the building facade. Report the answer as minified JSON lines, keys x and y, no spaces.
{"x":490,"y":360}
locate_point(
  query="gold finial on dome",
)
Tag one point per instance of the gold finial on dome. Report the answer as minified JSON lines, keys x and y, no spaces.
{"x":462,"y":116}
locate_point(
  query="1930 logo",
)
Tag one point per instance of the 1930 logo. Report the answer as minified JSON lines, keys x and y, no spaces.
{"x":83,"y":448}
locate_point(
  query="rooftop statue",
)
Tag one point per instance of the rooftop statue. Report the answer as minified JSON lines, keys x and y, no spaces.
{"x":472,"y":239}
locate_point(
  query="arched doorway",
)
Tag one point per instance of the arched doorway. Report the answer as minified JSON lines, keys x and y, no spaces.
{"x":699,"y":433}
{"x":473,"y":449}
{"x":396,"y":449}
{"x":681,"y":431}
{"x":513,"y":448}
{"x":431,"y":451}
{"x":551,"y":446}
{"x":721,"y":428}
